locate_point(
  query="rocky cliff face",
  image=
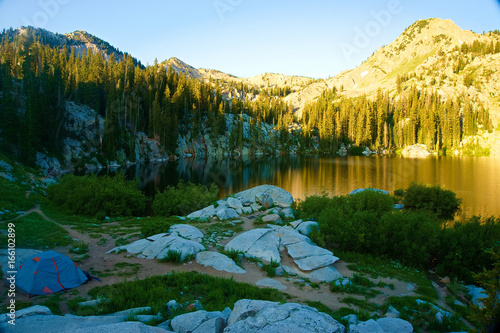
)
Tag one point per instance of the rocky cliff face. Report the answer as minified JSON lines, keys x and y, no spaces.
{"x":84,"y":129}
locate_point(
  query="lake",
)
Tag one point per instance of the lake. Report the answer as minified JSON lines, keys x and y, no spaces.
{"x":475,"y":180}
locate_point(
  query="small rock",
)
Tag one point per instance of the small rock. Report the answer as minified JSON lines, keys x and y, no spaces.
{"x":264,"y":199}
{"x":247,"y":210}
{"x":272,"y":218}
{"x":234,"y":203}
{"x":351,"y":319}
{"x":271,"y":283}
{"x":392,"y":312}
{"x":226,"y":214}
{"x":279,"y":271}
{"x":445,"y":280}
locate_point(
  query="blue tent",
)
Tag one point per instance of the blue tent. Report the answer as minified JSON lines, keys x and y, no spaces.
{"x":47,"y":273}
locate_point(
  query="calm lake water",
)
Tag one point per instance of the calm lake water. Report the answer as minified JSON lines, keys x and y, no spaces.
{"x":475,"y":180}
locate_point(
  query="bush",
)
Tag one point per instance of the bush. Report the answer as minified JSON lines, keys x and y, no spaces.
{"x":365,"y":223}
{"x":98,"y":196}
{"x":462,"y":248}
{"x":158,"y":225}
{"x":79,"y":247}
{"x":443,"y":203}
{"x":184,"y":198}
{"x":356,"y":150}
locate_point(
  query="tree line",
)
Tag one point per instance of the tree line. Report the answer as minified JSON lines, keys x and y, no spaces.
{"x":37,"y":78}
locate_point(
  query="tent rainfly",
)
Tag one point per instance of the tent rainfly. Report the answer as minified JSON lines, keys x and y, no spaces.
{"x":47,"y":273}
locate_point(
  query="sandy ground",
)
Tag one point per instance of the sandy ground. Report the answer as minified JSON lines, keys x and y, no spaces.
{"x":100,"y":261}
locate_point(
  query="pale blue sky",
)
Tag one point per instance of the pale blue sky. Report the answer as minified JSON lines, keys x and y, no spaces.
{"x":248,"y":37}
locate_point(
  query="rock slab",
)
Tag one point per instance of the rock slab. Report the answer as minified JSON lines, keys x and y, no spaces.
{"x":219,"y":262}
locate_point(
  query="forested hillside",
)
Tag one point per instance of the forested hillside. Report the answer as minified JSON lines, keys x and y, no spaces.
{"x":437,"y":100}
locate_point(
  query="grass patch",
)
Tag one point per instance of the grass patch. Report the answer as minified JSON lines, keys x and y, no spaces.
{"x":92,"y":226}
{"x":79,"y":247}
{"x":408,"y":66}
{"x":423,"y":316}
{"x":32,"y":231}
{"x":126,"y":269}
{"x":216,"y":293}
{"x":360,"y":303}
{"x":270,"y":268}
{"x":235,"y":255}
{"x":358,"y":285}
{"x":53,"y":303}
{"x":175,"y":257}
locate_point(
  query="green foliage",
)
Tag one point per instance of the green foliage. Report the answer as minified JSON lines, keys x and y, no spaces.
{"x":157,"y":225}
{"x":73,"y":303}
{"x":32,"y":231}
{"x":360,"y":303}
{"x":423,"y":316}
{"x":184,"y":198}
{"x":53,"y":303}
{"x":489,"y":316}
{"x":356,"y":150}
{"x":79,"y":247}
{"x":365,"y":223}
{"x":270,"y":268}
{"x":463,"y":247}
{"x":358,"y":285}
{"x":174,"y":257}
{"x":235,"y":255}
{"x":216,"y":293}
{"x":98,"y":196}
{"x":435,"y":199}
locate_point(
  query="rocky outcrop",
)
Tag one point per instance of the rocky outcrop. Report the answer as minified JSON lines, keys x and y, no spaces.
{"x":219,"y":262}
{"x":418,"y":150}
{"x":181,"y":238}
{"x":382,"y":325}
{"x":266,"y":244}
{"x":254,"y":199}
{"x":278,"y":195}
{"x":264,"y":316}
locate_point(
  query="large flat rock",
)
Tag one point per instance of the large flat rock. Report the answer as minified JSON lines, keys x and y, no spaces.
{"x":266,"y":248}
{"x":187,"y":231}
{"x":278,"y":194}
{"x":271,"y":283}
{"x":219,"y":262}
{"x":324,"y":274}
{"x":244,"y":241}
{"x":315,"y":262}
{"x":269,"y":317}
{"x":302,"y":250}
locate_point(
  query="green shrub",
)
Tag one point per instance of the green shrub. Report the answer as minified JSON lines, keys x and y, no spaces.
{"x":98,"y":196}
{"x":365,"y":223}
{"x":443,"y":203}
{"x":175,"y":257}
{"x":79,"y":247}
{"x":184,"y":198}
{"x":462,"y":248}
{"x":356,"y":150}
{"x":270,"y":268}
{"x":157,"y":225}
{"x":235,"y":255}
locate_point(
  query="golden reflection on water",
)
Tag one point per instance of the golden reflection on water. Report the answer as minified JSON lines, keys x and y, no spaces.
{"x":475,"y":180}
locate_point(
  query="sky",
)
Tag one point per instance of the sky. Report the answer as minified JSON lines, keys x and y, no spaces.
{"x":315,"y":38}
